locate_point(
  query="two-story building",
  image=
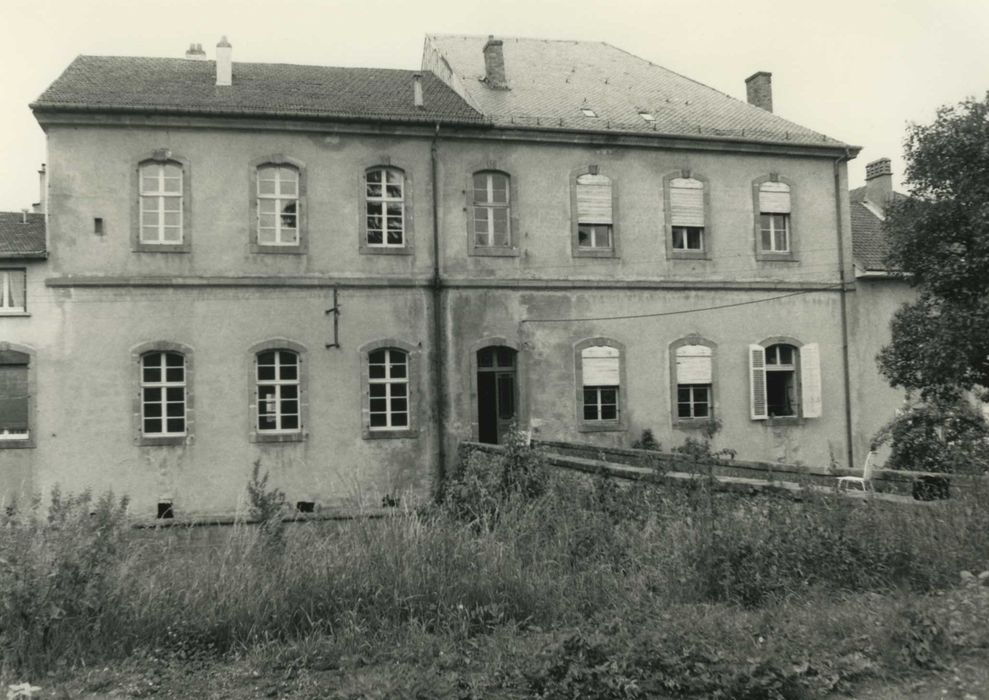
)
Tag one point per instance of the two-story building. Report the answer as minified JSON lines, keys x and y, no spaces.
{"x":343,"y":272}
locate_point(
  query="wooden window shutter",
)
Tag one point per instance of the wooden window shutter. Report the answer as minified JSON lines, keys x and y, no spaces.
{"x":469,"y":208}
{"x":774,"y":198}
{"x":13,"y":397}
{"x":594,"y":203}
{"x":693,"y":364}
{"x":686,"y":202}
{"x":757,"y":382}
{"x":810,"y":381}
{"x":600,"y":366}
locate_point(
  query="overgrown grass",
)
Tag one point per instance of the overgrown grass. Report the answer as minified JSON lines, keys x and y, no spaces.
{"x":638,"y":588}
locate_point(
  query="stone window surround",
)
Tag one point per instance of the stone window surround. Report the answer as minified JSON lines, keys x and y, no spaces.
{"x":408,"y":191}
{"x":706,"y":238}
{"x":412,"y":353}
{"x":280,"y":160}
{"x":137,"y":354}
{"x":586,"y":426}
{"x":768,"y":256}
{"x":693,"y":423}
{"x":161,"y":156}
{"x":575,"y":249}
{"x":522,"y":406}
{"x":261,"y":436}
{"x":512,"y":250}
{"x":797,"y":419}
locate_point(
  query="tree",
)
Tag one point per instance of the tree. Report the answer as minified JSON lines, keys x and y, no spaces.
{"x":939,"y":237}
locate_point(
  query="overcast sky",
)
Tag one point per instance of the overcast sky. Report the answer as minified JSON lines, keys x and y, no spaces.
{"x":855,"y":70}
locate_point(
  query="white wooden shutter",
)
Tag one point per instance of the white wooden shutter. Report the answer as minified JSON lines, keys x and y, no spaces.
{"x":810,"y":380}
{"x":757,"y":382}
{"x":774,"y":198}
{"x":600,"y":366}
{"x":693,"y":364}
{"x":686,"y":202}
{"x":593,"y":199}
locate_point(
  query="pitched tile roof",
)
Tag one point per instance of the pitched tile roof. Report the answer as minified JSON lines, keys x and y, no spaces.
{"x":183,"y":86}
{"x":550,"y":81}
{"x":869,"y":245}
{"x":19,"y":239}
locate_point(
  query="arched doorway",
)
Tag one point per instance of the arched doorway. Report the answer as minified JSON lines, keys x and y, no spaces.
{"x":497,"y":392}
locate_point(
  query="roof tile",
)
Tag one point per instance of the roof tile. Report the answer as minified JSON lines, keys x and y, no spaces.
{"x":20,"y":238}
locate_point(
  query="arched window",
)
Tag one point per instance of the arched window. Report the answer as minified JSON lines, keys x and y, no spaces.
{"x":388,"y":387}
{"x":491,"y":210}
{"x":163,"y":394}
{"x":161,"y":202}
{"x":278,"y":391}
{"x":785,"y":380}
{"x":384,"y":201}
{"x":278,"y":208}
{"x":600,"y":390}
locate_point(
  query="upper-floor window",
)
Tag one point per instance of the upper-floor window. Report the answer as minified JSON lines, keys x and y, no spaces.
{"x":595,"y":213}
{"x":385,"y":208}
{"x":774,"y":218}
{"x":277,"y":205}
{"x":785,"y":380}
{"x":14,"y":397}
{"x":163,"y":394}
{"x":161,"y":203}
{"x":491,"y":205}
{"x":687,"y":214}
{"x":694,"y":382}
{"x":13,"y":294}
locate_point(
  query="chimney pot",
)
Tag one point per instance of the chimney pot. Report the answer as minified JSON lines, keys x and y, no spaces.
{"x":224,"y":63}
{"x":494,"y":64}
{"x":759,"y":90}
{"x":195,"y":52}
{"x":417,"y":89}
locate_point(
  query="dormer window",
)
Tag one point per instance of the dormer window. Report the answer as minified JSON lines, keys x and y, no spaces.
{"x":588,"y":112}
{"x":648,"y":116}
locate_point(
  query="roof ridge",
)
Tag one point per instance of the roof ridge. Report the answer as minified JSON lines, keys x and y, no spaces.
{"x":185,"y":61}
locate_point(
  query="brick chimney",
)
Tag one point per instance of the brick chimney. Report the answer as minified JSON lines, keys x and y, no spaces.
{"x":494,"y":64}
{"x":195,"y":52}
{"x":224,"y":63}
{"x":879,"y":182}
{"x":759,"y":90}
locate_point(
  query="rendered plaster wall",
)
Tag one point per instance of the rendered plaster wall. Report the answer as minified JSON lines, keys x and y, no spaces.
{"x":874,"y":400}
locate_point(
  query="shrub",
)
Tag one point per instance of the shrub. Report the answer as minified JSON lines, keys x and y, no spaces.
{"x":267,"y":505}
{"x":59,"y":577}
{"x":647,"y":441}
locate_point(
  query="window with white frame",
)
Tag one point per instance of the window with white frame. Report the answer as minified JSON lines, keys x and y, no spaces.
{"x":278,"y":386}
{"x":694,"y":382}
{"x":277,"y":205}
{"x":385,"y":207}
{"x":595,"y":212}
{"x":13,"y":293}
{"x":785,"y":380}
{"x":491,"y":209}
{"x":687,"y":214}
{"x":161,"y":205}
{"x":774,"y":217}
{"x":163,"y":394}
{"x":601,"y":377}
{"x":14,"y":395}
{"x":388,"y":389}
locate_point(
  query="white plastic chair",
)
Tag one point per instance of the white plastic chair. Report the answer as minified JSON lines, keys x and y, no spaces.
{"x":856,"y":483}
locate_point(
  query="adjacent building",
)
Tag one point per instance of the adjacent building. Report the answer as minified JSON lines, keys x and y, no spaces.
{"x":345,"y":272}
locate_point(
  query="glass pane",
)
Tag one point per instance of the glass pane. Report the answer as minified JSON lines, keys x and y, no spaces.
{"x":499,"y":189}
{"x":152,"y":425}
{"x":290,"y":391}
{"x":481,"y":188}
{"x":377,"y":357}
{"x":395,"y":209}
{"x":399,"y":389}
{"x":400,"y":420}
{"x":290,"y":407}
{"x":485,"y":357}
{"x":394,"y":238}
{"x":374,"y":191}
{"x":152,"y":374}
{"x":290,"y":423}
{"x":785,"y":354}
{"x":609,"y":396}
{"x":152,"y":394}
{"x":289,"y":186}
{"x":268,"y":206}
{"x":290,"y":372}
{"x":700,"y":410}
{"x":376,"y":371}
{"x":173,"y":204}
{"x":149,"y":184}
{"x":266,"y":358}
{"x":395,"y":191}
{"x":505,"y":357}
{"x":267,"y":221}
{"x":379,"y":405}
{"x":398,"y":371}
{"x":172,"y":234}
{"x":378,"y":390}
{"x":500,"y":227}
{"x":767,"y":240}
{"x":175,"y":394}
{"x":374,"y":176}
{"x":609,"y":412}
{"x":683,"y":393}
{"x":374,"y":209}
{"x":590,"y":411}
{"x":374,"y":237}
{"x":395,"y":223}
{"x":152,"y":410}
{"x":583,"y":236}
{"x":395,"y":177}
{"x":172,"y":218}
{"x":266,"y":187}
{"x":176,"y":425}
{"x":266,"y":373}
{"x":400,"y":405}
{"x":175,"y":410}
{"x":506,"y":396}
{"x":781,"y":242}
{"x":379,"y":420}
{"x":683,"y":410}
{"x":694,"y":238}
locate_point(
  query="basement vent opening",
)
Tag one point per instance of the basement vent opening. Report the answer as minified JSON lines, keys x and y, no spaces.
{"x":98,"y":226}
{"x":588,"y":112}
{"x":389,"y":501}
{"x":305,"y":506}
{"x":165,"y":511}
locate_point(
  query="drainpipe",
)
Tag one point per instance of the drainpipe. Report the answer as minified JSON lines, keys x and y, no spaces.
{"x":846,"y":371}
{"x":439,"y":387}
